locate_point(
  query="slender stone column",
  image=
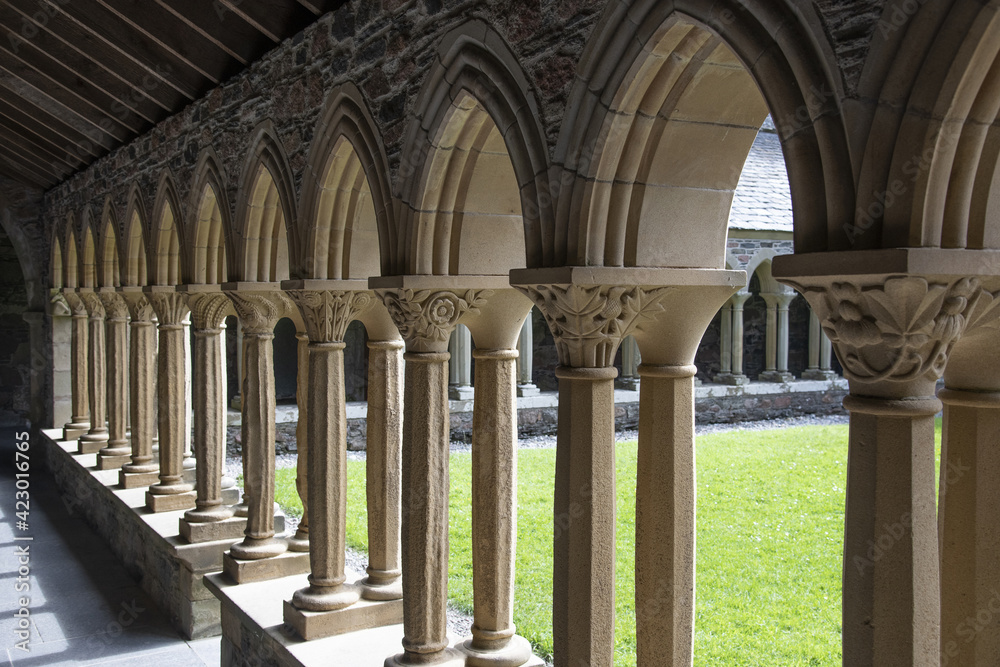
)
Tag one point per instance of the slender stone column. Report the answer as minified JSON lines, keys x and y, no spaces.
{"x":894,"y":334}
{"x":726,"y":340}
{"x":300,"y":541}
{"x":736,"y":376}
{"x":776,"y":356}
{"x":171,"y":493}
{"x":819,"y":352}
{"x":526,"y":360}
{"x":630,"y":364}
{"x":117,"y":450}
{"x":460,"y":366}
{"x":426,"y":318}
{"x":59,"y":373}
{"x":970,"y":502}
{"x":326,"y":314}
{"x":97,"y":436}
{"x":142,"y":387}
{"x":258,"y":311}
{"x":784,"y":301}
{"x":80,"y":420}
{"x":208,"y":312}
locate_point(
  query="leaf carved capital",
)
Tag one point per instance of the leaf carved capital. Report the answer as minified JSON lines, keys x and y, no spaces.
{"x":327,"y":313}
{"x":589,"y":322}
{"x":425,"y":318}
{"x":92,"y":302}
{"x":260,"y":311}
{"x":139,"y":307}
{"x":209,"y":310}
{"x":171,"y":307}
{"x":114,"y":306}
{"x":60,"y":306}
{"x":900,"y":329}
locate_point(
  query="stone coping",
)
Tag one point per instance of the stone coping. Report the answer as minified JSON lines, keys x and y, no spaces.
{"x":284,"y":414}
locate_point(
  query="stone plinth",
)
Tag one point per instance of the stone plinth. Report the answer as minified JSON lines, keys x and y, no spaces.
{"x":227,"y":529}
{"x":359,"y":616}
{"x":272,"y":567}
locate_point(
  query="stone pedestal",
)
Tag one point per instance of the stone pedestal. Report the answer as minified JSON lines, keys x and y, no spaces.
{"x":94,"y":439}
{"x":80,"y":420}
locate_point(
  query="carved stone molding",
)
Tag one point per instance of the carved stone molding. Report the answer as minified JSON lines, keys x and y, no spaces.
{"x":209,"y":310}
{"x":76,"y":304}
{"x":589,"y":322}
{"x":328,"y":312}
{"x":171,"y":307}
{"x":260,"y":311}
{"x":901,"y":328}
{"x":425,"y":318}
{"x":60,"y":307}
{"x":139,"y":307}
{"x":114,"y":306}
{"x":92,"y":302}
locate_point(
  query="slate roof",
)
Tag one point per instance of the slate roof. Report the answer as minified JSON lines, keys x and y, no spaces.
{"x":763,"y":201}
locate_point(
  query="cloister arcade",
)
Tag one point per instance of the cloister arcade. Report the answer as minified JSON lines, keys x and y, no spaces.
{"x":611,"y":220}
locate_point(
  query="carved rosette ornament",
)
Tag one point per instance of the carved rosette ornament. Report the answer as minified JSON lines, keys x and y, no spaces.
{"x":171,"y":307}
{"x":327,"y":313}
{"x":60,"y":307}
{"x":92,"y":302}
{"x":260,"y":311}
{"x":426,"y":318}
{"x":902,"y":329}
{"x":139,"y":307}
{"x":589,"y":322}
{"x":114,"y":306}
{"x":209,"y":310}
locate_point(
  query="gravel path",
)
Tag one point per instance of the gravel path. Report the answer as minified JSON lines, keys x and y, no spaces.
{"x":460,"y":623}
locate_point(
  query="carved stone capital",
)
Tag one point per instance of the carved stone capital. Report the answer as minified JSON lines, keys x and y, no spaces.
{"x":260,"y":311}
{"x":209,"y":309}
{"x":114,"y":306}
{"x":171,"y":307}
{"x":328,"y":312}
{"x":59,"y":306}
{"x":139,"y":308}
{"x":92,"y":302}
{"x":589,"y":322}
{"x":426,"y":317}
{"x":899,"y":328}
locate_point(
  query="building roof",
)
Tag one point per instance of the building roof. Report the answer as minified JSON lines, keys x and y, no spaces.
{"x":763,"y":201}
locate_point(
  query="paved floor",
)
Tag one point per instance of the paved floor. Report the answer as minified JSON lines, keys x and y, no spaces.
{"x":84,"y":608}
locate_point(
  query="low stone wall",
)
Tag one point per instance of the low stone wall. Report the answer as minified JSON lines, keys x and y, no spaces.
{"x":538,"y":415}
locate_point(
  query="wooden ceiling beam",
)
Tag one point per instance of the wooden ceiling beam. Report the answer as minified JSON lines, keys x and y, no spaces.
{"x":17,"y":147}
{"x":59,"y":143}
{"x":229,"y":31}
{"x":24,"y":174}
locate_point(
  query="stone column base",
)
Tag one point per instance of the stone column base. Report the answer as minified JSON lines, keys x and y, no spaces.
{"x":528,"y":390}
{"x":628,"y":384}
{"x":137,"y":480}
{"x":775,"y":376}
{"x":262,"y":569}
{"x":112,"y":462}
{"x":814,"y":374}
{"x":461,"y":393}
{"x":449,"y":657}
{"x":359,"y":616}
{"x":231,"y":496}
{"x":85,"y":445}
{"x":517,"y":653}
{"x":733,"y":379}
{"x":227,"y":529}
{"x":74,"y":431}
{"x":170,"y":502}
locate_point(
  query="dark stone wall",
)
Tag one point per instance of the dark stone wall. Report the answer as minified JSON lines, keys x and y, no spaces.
{"x":15,"y":352}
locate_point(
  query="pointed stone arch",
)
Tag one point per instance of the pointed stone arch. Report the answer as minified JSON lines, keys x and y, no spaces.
{"x":475,"y":97}
{"x":88,"y":254}
{"x":109,"y":260}
{"x":667,"y":102}
{"x":210,"y":224}
{"x":71,"y":269}
{"x":166,"y":234}
{"x":347,"y":211}
{"x":134,"y":244}
{"x":265,"y":211}
{"x":56,"y":262}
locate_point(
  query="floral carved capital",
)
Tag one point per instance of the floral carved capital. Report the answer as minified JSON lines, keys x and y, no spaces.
{"x":209,"y":311}
{"x":327,"y":312}
{"x":902,"y":329}
{"x":114,"y":306}
{"x":589,"y":322}
{"x":171,"y":307}
{"x":60,"y":307}
{"x":260,"y":311}
{"x":92,"y":302}
{"x":139,"y":307}
{"x":76,"y":304}
{"x":426,"y":318}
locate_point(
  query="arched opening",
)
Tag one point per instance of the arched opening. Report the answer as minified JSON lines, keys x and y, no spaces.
{"x":209,"y":253}
{"x":71,"y":273}
{"x":110,"y":264}
{"x":57,"y":263}
{"x":136,"y":274}
{"x":88,"y":272}
{"x":265,"y":238}
{"x":168,"y":246}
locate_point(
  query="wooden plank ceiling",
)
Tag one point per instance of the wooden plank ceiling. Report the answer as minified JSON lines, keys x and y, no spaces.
{"x":78,"y":78}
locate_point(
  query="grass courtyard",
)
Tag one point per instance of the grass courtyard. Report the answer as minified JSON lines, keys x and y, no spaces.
{"x":770,"y":523}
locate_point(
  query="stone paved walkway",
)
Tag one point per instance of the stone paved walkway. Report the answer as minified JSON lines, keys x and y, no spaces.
{"x":84,"y":608}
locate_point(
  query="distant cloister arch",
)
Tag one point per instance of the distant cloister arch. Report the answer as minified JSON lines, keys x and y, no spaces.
{"x":136,"y":272}
{"x":166,"y":234}
{"x":210,"y":225}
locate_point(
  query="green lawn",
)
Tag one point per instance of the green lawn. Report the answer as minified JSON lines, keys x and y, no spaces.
{"x":770,"y":522}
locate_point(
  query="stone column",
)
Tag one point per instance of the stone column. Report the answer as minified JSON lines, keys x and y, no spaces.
{"x":526,"y":360}
{"x":59,"y":346}
{"x":79,"y":422}
{"x":117,"y":450}
{"x":494,"y":482}
{"x":726,"y":341}
{"x":426,"y":315}
{"x":819,"y":352}
{"x":630,"y":365}
{"x":258,"y":312}
{"x":894,"y":334}
{"x":777,"y":315}
{"x":94,"y":439}
{"x":970,"y":501}
{"x":460,"y":365}
{"x":189,"y":459}
{"x":142,"y":469}
{"x":171,"y":493}
{"x":326,"y":314}
{"x":208,"y":312}
{"x":735,"y":375}
{"x":300,"y":541}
